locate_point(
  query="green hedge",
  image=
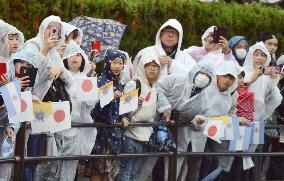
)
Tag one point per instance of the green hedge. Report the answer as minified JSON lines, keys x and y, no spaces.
{"x":145,"y":17}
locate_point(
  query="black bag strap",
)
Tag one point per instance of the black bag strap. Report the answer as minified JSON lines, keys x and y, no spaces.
{"x":138,"y":86}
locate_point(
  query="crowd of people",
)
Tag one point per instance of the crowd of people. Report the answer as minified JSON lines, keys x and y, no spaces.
{"x":187,"y":85}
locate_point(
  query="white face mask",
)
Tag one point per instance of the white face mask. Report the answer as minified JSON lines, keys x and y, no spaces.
{"x":241,"y":53}
{"x":201,"y":80}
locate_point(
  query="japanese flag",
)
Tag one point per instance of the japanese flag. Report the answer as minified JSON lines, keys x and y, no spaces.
{"x":61,"y":116}
{"x":214,"y":130}
{"x":88,"y":89}
{"x":26,"y":109}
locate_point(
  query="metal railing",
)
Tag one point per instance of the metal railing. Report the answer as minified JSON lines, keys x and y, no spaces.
{"x":20,"y":159}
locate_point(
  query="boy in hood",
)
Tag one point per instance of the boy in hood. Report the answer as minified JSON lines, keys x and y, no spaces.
{"x":167,"y":49}
{"x":185,"y":94}
{"x":222,"y":102}
{"x":137,"y":137}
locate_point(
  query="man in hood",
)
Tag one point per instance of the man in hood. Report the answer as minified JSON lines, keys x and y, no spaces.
{"x":167,"y":49}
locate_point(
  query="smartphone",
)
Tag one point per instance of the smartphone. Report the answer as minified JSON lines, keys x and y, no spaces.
{"x":29,"y":71}
{"x":272,"y":70}
{"x":54,"y":31}
{"x":218,"y":32}
{"x":96,"y":45}
{"x":3,"y":68}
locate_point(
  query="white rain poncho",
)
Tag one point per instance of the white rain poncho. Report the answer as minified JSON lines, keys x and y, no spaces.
{"x":148,"y":110}
{"x":200,"y":53}
{"x":74,"y":141}
{"x":68,"y":28}
{"x":5,"y":57}
{"x":81,"y":109}
{"x":5,"y":30}
{"x":182,"y":62}
{"x":267,"y":95}
{"x":222,"y":103}
{"x":52,"y":59}
{"x":127,"y":72}
{"x":174,"y":93}
{"x":144,"y":114}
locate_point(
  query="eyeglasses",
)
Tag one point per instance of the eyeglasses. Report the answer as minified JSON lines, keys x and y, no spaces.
{"x":155,"y":66}
{"x":170,"y":32}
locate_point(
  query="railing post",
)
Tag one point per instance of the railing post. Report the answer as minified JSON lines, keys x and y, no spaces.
{"x":20,"y":153}
{"x":173,"y":158}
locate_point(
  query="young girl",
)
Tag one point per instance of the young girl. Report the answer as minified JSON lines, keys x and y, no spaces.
{"x":148,"y":71}
{"x":267,"y":95}
{"x":109,"y":139}
{"x":11,"y":41}
{"x":74,"y":141}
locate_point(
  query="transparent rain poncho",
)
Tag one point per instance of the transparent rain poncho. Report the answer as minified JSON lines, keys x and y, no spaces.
{"x":5,"y":30}
{"x":267,"y":94}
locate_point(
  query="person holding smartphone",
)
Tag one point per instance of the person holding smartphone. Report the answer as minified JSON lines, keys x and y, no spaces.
{"x":52,"y":77}
{"x":213,"y":49}
{"x":267,"y":95}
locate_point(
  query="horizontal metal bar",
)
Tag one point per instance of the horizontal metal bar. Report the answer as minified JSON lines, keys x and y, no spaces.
{"x":156,"y":123}
{"x":99,"y":125}
{"x":91,"y":157}
{"x":10,"y":160}
{"x":231,"y":154}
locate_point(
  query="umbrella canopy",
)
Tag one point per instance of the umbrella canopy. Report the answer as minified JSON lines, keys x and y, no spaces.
{"x":107,"y":31}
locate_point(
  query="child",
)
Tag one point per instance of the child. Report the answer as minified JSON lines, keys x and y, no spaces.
{"x":11,"y":41}
{"x":267,"y":96}
{"x":74,"y":141}
{"x":109,"y":139}
{"x":222,"y":102}
{"x":26,"y":58}
{"x":148,"y":70}
{"x":271,"y":43}
{"x":184,"y":93}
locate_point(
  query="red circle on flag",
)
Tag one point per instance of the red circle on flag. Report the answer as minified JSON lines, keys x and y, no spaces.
{"x":87,"y":85}
{"x":59,"y":116}
{"x":23,"y":105}
{"x":212,"y":130}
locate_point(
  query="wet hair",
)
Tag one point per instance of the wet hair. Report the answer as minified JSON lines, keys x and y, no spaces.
{"x":266,"y":36}
{"x":243,"y":74}
{"x":65,"y":62}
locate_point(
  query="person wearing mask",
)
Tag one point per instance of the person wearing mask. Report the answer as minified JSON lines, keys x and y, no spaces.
{"x":239,"y":47}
